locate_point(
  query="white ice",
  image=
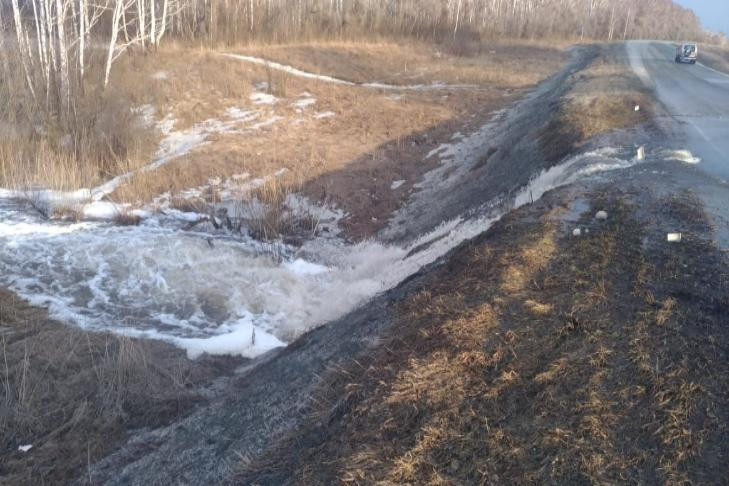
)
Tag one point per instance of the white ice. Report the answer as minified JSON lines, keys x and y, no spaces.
{"x":263,"y":98}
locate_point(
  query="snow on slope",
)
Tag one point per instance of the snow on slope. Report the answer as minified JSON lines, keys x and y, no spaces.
{"x":330,"y":79}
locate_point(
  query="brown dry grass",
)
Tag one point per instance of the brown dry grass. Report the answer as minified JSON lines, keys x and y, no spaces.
{"x":349,"y":160}
{"x":190,"y":85}
{"x":269,"y":216}
{"x":496,"y":64}
{"x":100,"y":138}
{"x":716,"y":57}
{"x":75,"y":395}
{"x":603,"y":101}
{"x":473,"y":387}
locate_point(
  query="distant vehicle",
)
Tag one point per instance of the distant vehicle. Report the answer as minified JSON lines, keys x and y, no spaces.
{"x":687,"y":53}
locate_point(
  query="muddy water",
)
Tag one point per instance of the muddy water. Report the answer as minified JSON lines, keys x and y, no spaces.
{"x":218,"y":294}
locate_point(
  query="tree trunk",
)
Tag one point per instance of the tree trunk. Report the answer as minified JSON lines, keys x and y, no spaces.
{"x":63,"y":57}
{"x":118,"y":7}
{"x":22,"y":50}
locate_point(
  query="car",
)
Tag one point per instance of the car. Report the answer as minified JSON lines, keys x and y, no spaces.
{"x":687,"y":52}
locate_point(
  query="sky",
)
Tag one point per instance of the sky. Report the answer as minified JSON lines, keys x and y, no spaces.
{"x":714,"y":14}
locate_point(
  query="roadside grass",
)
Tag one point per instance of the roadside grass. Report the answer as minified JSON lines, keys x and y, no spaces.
{"x":716,"y":57}
{"x":75,"y":395}
{"x":532,"y":356}
{"x":605,"y":100}
{"x":498,"y":64}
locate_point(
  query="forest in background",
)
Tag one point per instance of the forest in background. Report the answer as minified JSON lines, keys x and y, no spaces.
{"x":56,"y":56}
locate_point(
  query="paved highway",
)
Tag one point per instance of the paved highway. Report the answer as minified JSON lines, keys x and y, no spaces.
{"x":694,"y":95}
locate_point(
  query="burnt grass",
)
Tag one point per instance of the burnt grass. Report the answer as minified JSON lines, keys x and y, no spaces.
{"x":535,"y":357}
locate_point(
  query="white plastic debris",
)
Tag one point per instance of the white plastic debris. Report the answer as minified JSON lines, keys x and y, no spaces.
{"x":674,"y":237}
{"x":25,"y":448}
{"x":601,"y":215}
{"x":637,"y":107}
{"x":641,"y":153}
{"x":577,"y":232}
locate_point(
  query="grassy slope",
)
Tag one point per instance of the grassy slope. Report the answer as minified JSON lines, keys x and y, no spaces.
{"x":603,"y":99}
{"x":75,"y":395}
{"x":532,"y":356}
{"x":715,"y":57}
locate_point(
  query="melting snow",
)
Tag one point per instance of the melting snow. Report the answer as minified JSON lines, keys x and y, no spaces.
{"x":174,"y":145}
{"x":304,"y":103}
{"x":330,"y":79}
{"x":324,"y":114}
{"x":214,"y":294}
{"x":263,"y":99}
{"x":681,"y":156}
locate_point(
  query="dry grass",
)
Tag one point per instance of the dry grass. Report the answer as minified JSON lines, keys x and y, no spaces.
{"x":472,"y":386}
{"x":101,"y":137}
{"x":349,"y":160}
{"x":74,"y":395}
{"x":716,"y":57}
{"x":188,"y":84}
{"x":604,"y":101}
{"x":496,"y":64}
{"x":269,"y":213}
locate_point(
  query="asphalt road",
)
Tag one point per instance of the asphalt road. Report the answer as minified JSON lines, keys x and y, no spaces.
{"x":696,"y":96}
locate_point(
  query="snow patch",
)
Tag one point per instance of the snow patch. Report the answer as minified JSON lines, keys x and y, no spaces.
{"x":330,"y":79}
{"x":684,"y":156}
{"x":259,"y":98}
{"x":146,"y":114}
{"x":324,"y":114}
{"x":304,"y":103}
{"x":241,"y":338}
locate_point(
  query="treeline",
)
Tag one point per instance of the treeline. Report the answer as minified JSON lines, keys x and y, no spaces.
{"x":49,"y":47}
{"x":234,"y":21}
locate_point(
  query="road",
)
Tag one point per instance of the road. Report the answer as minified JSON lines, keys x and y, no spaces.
{"x":694,"y":95}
